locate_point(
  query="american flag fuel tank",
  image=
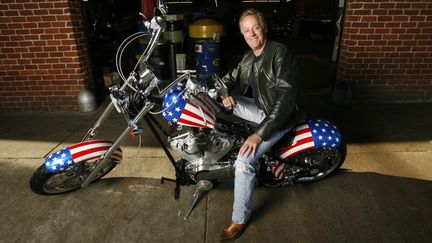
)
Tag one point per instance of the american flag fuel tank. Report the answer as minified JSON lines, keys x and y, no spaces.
{"x":78,"y":153}
{"x":310,"y":134}
{"x":189,"y":111}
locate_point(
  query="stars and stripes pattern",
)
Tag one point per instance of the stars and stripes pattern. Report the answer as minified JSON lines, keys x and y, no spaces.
{"x":187,"y":110}
{"x":81,"y":152}
{"x":311,"y":134}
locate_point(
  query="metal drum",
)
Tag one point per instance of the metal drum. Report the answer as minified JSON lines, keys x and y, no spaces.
{"x":207,"y":59}
{"x":206,"y":34}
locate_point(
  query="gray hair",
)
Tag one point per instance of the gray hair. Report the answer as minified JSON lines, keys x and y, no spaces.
{"x":254,"y":12}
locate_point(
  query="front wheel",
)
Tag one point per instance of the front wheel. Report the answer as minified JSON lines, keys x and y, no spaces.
{"x":45,"y":182}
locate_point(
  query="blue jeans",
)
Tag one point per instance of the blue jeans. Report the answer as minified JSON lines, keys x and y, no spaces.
{"x":245,"y":181}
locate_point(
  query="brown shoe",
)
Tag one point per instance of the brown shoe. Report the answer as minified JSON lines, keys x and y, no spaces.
{"x":232,"y":232}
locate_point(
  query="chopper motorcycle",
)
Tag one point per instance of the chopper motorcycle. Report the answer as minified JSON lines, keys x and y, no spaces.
{"x":205,"y":137}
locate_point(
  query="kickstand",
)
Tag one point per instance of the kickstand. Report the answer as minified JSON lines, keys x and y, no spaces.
{"x":177,"y":188}
{"x":201,"y":188}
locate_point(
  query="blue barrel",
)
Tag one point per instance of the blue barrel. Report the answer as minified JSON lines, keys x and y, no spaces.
{"x":207,"y":59}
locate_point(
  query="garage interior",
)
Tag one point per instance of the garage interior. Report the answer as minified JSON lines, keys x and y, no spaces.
{"x":307,"y":27}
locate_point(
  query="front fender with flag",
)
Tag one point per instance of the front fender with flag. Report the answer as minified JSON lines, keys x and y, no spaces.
{"x":83,"y":152}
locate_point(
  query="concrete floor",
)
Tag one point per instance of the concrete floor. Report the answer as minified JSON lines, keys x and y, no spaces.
{"x":382,"y":194}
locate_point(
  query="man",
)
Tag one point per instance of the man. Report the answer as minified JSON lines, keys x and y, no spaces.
{"x":266,"y":71}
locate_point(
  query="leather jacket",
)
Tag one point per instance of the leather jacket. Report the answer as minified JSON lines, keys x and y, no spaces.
{"x":277,"y":86}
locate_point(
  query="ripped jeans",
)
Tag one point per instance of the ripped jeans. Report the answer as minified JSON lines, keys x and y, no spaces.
{"x":245,"y":181}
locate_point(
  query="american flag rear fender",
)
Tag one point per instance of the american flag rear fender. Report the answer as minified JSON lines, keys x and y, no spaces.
{"x":312,"y":134}
{"x":83,"y":152}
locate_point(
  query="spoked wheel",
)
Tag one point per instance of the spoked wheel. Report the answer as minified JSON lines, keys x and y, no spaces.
{"x":45,"y":182}
{"x":318,"y":163}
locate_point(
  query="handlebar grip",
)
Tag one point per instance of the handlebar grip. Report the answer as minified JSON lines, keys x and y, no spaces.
{"x":213,"y":104}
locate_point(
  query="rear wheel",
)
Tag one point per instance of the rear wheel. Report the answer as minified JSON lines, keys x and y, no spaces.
{"x":45,"y":182}
{"x":318,"y":163}
{"x":310,"y":165}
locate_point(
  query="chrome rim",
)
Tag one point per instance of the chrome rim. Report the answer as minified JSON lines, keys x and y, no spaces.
{"x":321,"y":162}
{"x":72,"y":177}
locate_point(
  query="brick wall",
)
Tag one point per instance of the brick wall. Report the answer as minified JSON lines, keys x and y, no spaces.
{"x":44,"y":59}
{"x":386,"y":50}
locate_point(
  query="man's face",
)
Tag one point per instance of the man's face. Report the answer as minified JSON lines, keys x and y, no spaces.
{"x":253,"y":32}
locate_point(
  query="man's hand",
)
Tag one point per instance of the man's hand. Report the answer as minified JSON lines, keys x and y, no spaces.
{"x":249,"y":146}
{"x":229,"y":102}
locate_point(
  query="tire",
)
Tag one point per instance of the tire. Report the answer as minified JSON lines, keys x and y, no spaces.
{"x":319,"y":163}
{"x":44,"y":182}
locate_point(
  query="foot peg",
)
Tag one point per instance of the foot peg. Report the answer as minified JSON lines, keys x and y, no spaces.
{"x":201,"y":188}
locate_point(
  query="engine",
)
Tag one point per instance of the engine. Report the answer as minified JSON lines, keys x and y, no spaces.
{"x":203,"y":150}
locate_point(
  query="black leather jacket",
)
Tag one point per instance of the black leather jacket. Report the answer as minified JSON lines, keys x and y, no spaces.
{"x":277,"y":87}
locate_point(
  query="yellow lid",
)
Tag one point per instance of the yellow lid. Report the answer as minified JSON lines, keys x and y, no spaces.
{"x":204,"y":28}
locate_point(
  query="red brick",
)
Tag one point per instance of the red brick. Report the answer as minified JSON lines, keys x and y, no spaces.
{"x":422,"y":37}
{"x":371,"y":5}
{"x":385,"y":18}
{"x":400,"y":18}
{"x":34,"y":19}
{"x":406,"y":65}
{"x":377,"y":25}
{"x":46,"y":5}
{"x":406,"y":37}
{"x":413,"y":31}
{"x":403,"y":5}
{"x":395,"y":12}
{"x":44,"y":25}
{"x":374,"y":37}
{"x":380,"y":42}
{"x":365,"y":43}
{"x":371,"y":60}
{"x":421,"y":54}
{"x":61,"y":5}
{"x":409,"y":24}
{"x":61,"y":25}
{"x":380,"y":11}
{"x":360,"y":25}
{"x":352,"y":18}
{"x":411,"y":12}
{"x":55,"y":11}
{"x":426,"y":11}
{"x":388,"y":48}
{"x":30,"y":25}
{"x":424,"y":24}
{"x":385,"y":5}
{"x":417,"y":18}
{"x":393,"y":25}
{"x":363,"y":12}
{"x":369,"y":18}
{"x":10,"y":13}
{"x":18,"y":19}
{"x":40,"y":12}
{"x":366,"y":31}
{"x":382,"y":31}
{"x":425,"y":42}
{"x":355,"y":5}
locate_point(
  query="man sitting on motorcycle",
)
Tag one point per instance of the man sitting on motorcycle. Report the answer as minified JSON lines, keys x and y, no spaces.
{"x":266,"y":72}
